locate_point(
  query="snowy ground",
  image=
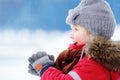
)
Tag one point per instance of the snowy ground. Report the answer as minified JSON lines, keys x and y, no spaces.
{"x":17,"y":46}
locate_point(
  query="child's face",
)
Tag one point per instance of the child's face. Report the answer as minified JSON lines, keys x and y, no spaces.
{"x":79,"y":34}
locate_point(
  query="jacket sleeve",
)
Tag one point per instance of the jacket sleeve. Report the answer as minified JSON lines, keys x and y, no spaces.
{"x":83,"y":70}
{"x":54,"y":74}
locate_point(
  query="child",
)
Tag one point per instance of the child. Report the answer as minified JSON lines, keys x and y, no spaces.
{"x":93,"y":56}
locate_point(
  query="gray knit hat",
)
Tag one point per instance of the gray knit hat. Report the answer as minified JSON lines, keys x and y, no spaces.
{"x":95,"y":15}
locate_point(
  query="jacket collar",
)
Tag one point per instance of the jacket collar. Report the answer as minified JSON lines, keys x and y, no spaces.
{"x":104,"y":51}
{"x":74,"y":46}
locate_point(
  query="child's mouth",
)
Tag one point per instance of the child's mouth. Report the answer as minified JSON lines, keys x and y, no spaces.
{"x":75,"y":43}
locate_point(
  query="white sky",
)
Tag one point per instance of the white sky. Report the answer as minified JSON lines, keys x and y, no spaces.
{"x":17,"y":46}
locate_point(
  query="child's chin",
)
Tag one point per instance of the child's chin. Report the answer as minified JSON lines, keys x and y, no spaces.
{"x":77,"y":44}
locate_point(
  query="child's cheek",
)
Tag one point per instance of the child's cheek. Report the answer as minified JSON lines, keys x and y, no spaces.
{"x":81,"y":40}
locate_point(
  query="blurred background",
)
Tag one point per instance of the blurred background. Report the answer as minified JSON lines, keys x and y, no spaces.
{"x":27,"y":26}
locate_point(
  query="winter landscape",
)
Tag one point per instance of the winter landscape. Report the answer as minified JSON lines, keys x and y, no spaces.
{"x":28,"y":26}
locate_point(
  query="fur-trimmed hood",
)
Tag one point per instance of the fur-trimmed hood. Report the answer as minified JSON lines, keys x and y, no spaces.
{"x":104,"y":51}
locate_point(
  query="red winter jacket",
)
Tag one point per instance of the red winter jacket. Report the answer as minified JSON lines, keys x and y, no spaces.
{"x":101,"y":62}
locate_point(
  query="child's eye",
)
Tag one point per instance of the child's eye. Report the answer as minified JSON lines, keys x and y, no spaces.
{"x":76,"y":29}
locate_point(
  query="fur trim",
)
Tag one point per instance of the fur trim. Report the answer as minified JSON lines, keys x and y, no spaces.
{"x":104,"y":51}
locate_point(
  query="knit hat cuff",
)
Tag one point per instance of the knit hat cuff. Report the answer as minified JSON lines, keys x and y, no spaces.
{"x":96,"y":26}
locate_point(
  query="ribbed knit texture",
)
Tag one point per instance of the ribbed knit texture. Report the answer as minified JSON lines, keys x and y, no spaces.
{"x":68,"y":58}
{"x":94,"y":15}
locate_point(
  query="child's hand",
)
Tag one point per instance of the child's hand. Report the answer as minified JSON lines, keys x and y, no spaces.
{"x":39,"y":62}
